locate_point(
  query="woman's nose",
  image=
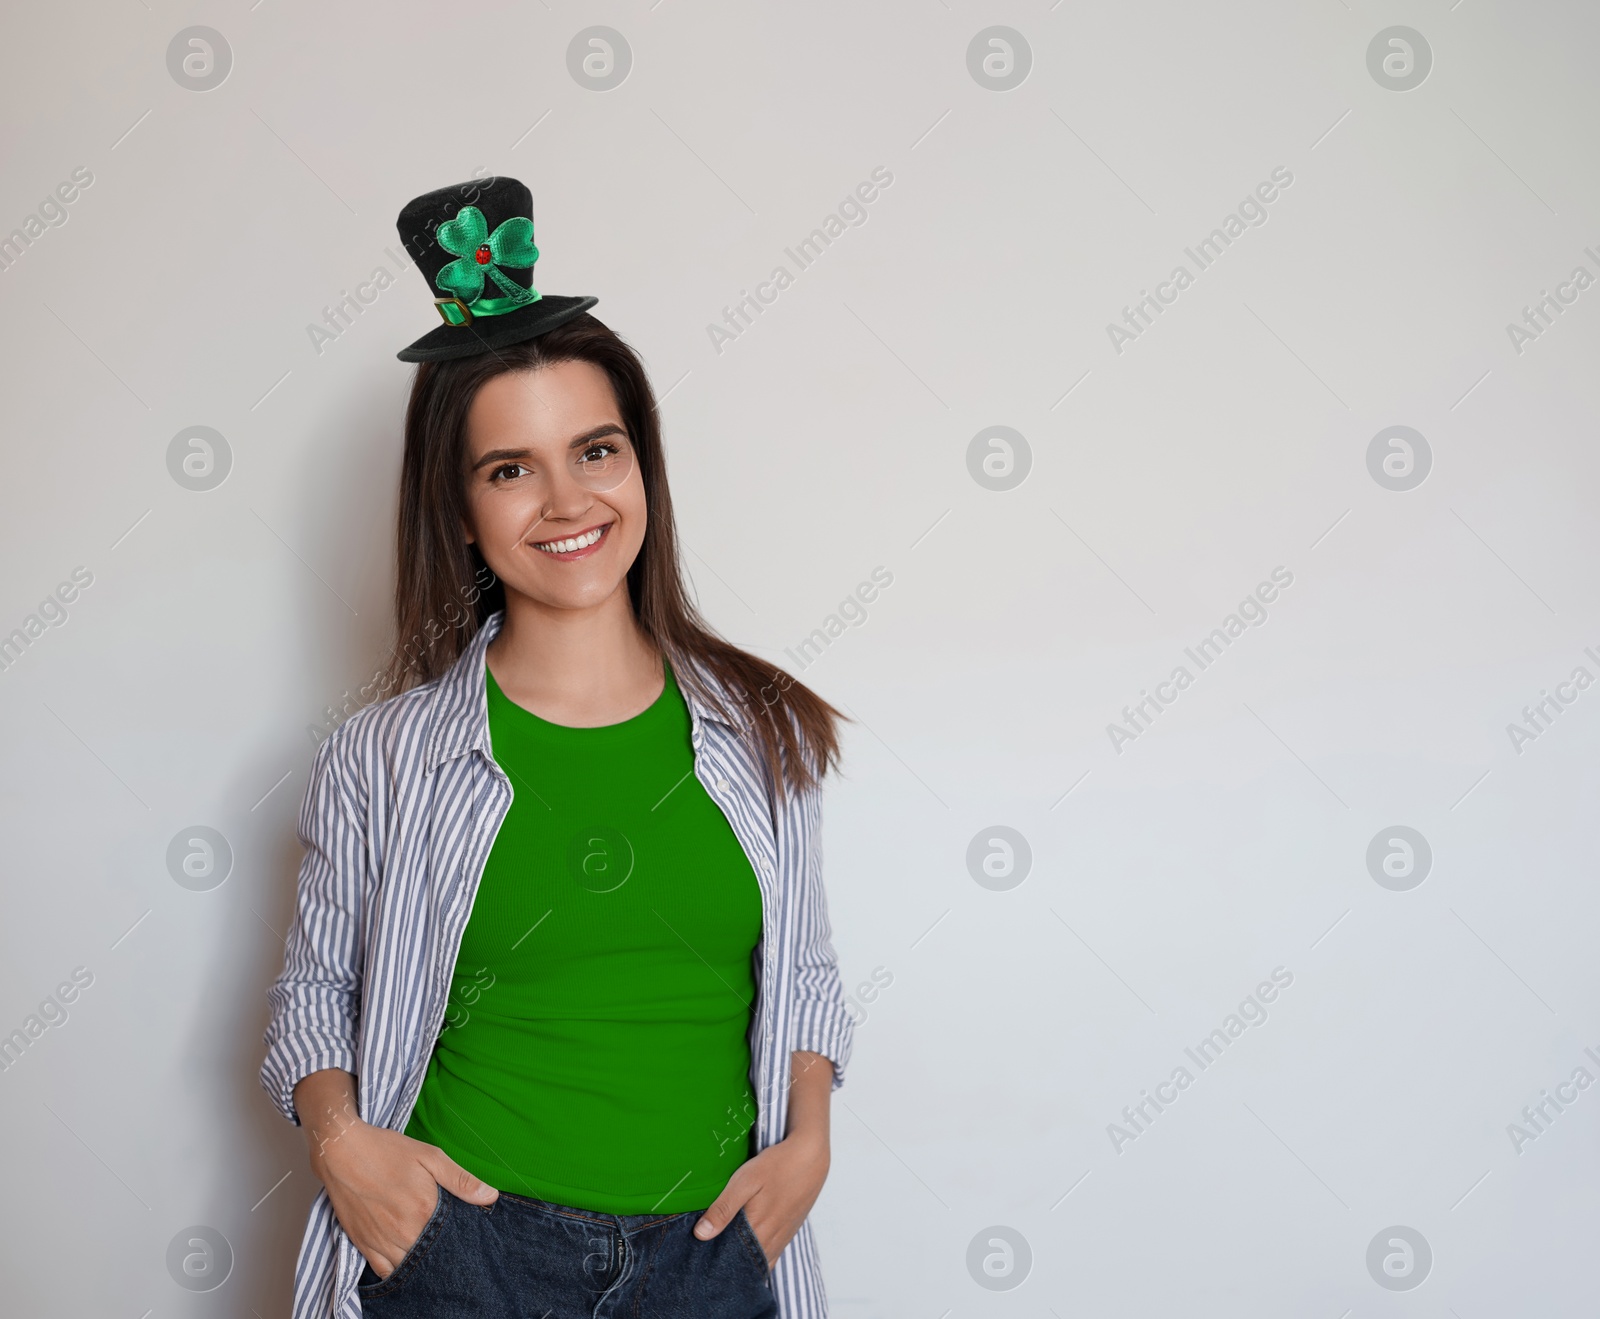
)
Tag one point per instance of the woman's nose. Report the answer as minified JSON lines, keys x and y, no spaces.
{"x":565,"y":496}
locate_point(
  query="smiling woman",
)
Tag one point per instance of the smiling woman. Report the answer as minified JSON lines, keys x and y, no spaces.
{"x":562,"y":468}
{"x":561,"y":910}
{"x":513,"y":452}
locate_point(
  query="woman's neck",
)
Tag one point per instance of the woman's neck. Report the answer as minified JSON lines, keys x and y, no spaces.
{"x":580,"y":667}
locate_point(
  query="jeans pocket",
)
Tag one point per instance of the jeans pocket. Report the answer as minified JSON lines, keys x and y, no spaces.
{"x":747,"y":1234}
{"x":413,"y":1259}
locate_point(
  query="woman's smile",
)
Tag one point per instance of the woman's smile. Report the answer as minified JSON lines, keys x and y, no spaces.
{"x":579,"y":546}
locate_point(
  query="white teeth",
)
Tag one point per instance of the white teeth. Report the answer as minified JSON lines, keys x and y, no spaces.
{"x":571,"y":543}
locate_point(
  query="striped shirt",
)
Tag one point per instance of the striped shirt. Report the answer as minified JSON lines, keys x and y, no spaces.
{"x":398,"y":820}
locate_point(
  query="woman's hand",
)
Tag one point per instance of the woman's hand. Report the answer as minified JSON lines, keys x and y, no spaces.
{"x":383,"y":1185}
{"x":777,"y":1188}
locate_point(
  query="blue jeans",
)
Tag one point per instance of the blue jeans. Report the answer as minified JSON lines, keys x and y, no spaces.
{"x":521,"y":1258}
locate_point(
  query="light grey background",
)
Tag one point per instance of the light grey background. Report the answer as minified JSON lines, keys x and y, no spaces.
{"x":1166,"y":481}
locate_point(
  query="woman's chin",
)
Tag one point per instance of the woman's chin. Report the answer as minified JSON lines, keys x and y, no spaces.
{"x":568,"y":595}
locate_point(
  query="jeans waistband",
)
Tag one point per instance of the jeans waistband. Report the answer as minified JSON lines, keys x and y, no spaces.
{"x":625,"y":1223}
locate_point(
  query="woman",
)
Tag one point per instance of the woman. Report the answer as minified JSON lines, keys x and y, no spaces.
{"x":559,"y":1014}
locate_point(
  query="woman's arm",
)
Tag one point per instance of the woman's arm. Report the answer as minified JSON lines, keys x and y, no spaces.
{"x":810,"y":1089}
{"x":778,"y":1187}
{"x":823,"y":1022}
{"x":383,"y":1185}
{"x":315,"y":1000}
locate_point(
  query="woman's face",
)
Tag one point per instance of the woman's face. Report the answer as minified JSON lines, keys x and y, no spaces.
{"x":555,"y":499}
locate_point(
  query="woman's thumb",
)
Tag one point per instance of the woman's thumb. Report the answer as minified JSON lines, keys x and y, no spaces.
{"x":461,"y":1183}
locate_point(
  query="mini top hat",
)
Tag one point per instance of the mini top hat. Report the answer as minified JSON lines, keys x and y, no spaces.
{"x":473,"y":243}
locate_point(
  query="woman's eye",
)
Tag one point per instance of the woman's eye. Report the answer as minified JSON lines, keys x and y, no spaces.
{"x":513,"y":468}
{"x":598,"y":453}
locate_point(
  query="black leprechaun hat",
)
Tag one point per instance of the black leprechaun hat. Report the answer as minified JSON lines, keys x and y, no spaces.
{"x":473,"y":243}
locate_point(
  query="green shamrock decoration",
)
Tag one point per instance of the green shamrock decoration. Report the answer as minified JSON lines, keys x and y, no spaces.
{"x":478,"y":252}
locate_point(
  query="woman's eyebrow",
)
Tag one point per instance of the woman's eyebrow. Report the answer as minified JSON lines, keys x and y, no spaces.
{"x":577,"y":442}
{"x":589,"y":436}
{"x":499,"y":456}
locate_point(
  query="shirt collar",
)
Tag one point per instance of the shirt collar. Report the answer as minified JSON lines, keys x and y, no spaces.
{"x":461,"y":701}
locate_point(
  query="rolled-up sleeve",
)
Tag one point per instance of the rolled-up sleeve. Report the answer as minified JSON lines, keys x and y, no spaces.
{"x":823,"y":1024}
{"x":315,"y":1001}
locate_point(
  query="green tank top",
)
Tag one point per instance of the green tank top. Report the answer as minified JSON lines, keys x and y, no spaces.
{"x":594,"y":1051}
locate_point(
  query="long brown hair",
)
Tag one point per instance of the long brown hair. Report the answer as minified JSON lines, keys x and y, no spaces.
{"x":444,"y":591}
